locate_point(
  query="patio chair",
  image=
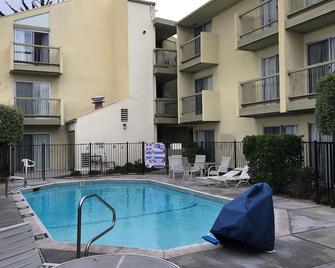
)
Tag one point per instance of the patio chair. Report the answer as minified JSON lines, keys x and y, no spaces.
{"x":198,"y":166}
{"x":221,"y":179}
{"x":18,"y":248}
{"x":176,"y":166}
{"x":218,"y":170}
{"x":27,"y":163}
{"x":242,"y":178}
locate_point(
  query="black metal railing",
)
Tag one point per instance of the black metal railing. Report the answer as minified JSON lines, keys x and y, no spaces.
{"x":166,"y":107}
{"x":259,"y":18}
{"x":36,"y":54}
{"x":93,"y":159}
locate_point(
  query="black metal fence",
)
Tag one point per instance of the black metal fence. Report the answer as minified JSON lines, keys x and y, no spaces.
{"x":93,"y":159}
{"x":63,"y":160}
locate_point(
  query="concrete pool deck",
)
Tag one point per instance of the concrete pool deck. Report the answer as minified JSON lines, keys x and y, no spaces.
{"x":305,"y":232}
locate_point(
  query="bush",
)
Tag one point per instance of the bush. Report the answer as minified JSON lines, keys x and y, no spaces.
{"x":272,"y":157}
{"x":136,"y":167}
{"x":325,"y":105}
{"x":11,"y":124}
{"x":75,"y":173}
{"x":301,"y":183}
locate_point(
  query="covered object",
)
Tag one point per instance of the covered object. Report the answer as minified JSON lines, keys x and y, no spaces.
{"x":248,"y":219}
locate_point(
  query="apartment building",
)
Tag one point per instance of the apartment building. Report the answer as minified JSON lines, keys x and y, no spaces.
{"x":252,"y":67}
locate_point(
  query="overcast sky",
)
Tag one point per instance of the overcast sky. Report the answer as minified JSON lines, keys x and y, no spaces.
{"x":168,"y":9}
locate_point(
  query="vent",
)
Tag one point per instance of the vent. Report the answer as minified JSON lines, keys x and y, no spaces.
{"x":124,"y":115}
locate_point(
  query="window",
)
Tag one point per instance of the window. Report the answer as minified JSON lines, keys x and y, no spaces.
{"x":270,"y":67}
{"x":33,"y":98}
{"x":287,"y":129}
{"x":124,"y":115}
{"x":206,"y":27}
{"x":319,"y":52}
{"x":205,"y":83}
{"x":31,"y":46}
{"x":269,"y":13}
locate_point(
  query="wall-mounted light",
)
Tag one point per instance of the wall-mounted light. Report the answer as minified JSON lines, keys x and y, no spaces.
{"x":124,"y":125}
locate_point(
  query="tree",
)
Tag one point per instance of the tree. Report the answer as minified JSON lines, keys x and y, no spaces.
{"x":11,"y":130}
{"x":325,"y":105}
{"x":32,"y":5}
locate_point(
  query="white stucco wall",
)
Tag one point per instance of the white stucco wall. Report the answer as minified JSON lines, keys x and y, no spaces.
{"x":104,"y":125}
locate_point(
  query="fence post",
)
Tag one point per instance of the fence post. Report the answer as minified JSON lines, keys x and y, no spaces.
{"x":167,"y":147}
{"x":143,"y":158}
{"x":43,"y":161}
{"x":316,"y":169}
{"x":11,"y":160}
{"x":235,"y":154}
{"x":90,"y":160}
{"x":127,"y":165}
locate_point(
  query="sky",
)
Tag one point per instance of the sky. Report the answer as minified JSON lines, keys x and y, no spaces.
{"x":167,"y":9}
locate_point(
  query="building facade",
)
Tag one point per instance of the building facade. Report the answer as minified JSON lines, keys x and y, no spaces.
{"x":252,"y":67}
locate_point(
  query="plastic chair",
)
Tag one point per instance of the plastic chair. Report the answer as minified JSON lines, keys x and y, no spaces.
{"x":27,"y":163}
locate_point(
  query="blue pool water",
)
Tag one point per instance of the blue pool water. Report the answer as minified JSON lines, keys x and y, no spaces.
{"x":149,"y":215}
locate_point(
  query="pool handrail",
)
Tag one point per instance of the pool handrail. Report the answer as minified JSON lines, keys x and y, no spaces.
{"x":88,"y":245}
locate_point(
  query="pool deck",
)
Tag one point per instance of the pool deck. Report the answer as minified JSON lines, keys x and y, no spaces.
{"x":305,"y":232}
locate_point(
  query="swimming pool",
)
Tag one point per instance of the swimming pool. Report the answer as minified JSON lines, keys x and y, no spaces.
{"x":149,"y":215}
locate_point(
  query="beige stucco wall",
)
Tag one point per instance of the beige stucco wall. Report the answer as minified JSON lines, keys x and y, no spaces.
{"x":94,"y":42}
{"x":236,"y":66}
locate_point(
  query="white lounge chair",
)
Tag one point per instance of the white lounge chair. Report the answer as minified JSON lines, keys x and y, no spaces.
{"x":219,"y":170}
{"x":27,"y":163}
{"x":220,"y":179}
{"x":242,"y":178}
{"x":18,"y":248}
{"x":176,"y":166}
{"x":198,"y":166}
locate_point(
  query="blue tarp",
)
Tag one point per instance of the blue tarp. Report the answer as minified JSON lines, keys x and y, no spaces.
{"x":248,"y":219}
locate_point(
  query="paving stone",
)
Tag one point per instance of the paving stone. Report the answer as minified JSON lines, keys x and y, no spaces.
{"x":301,"y":223}
{"x":324,"y":237}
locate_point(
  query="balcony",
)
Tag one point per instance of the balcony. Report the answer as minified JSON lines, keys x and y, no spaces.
{"x":200,"y":53}
{"x":303,"y":85}
{"x":166,"y":111}
{"x":35,"y":60}
{"x":165,"y":62}
{"x":259,"y":26}
{"x":201,"y":107}
{"x":307,"y":16}
{"x":39,"y":111}
{"x":260,"y":97}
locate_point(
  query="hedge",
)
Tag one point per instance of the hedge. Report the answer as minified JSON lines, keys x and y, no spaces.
{"x":11,"y":124}
{"x":274,"y":159}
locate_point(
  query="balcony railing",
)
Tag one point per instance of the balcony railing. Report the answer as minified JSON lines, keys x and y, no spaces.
{"x":304,"y":81}
{"x":165,"y":57}
{"x":259,"y":18}
{"x":191,"y":49}
{"x":192,"y":104}
{"x":39,"y":107}
{"x":166,"y":108}
{"x":34,"y":54}
{"x":297,"y":5}
{"x":260,"y":91}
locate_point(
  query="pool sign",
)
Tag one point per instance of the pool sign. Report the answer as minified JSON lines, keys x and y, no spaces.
{"x":155,"y":155}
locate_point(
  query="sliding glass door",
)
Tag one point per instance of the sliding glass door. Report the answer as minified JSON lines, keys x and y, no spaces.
{"x":270,"y":84}
{"x":31,"y":46}
{"x":320,"y":52}
{"x":33,"y":98}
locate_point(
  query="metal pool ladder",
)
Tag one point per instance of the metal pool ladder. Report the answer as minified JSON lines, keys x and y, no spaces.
{"x":88,"y":245}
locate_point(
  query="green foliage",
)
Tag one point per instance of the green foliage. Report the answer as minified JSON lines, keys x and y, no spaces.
{"x":301,"y":183}
{"x":325,"y":105}
{"x":4,"y":160}
{"x":75,"y":173}
{"x":272,"y":157}
{"x":327,"y":198}
{"x":136,"y":167}
{"x":11,"y":124}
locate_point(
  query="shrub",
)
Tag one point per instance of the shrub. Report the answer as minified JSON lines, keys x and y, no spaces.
{"x":325,"y":105}
{"x":272,"y":157}
{"x":301,"y":183}
{"x":75,"y":173}
{"x":11,"y":124}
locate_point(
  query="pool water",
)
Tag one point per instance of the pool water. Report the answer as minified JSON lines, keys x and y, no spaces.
{"x":149,"y":215}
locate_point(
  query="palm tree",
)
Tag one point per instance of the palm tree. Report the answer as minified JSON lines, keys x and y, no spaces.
{"x":33,"y":4}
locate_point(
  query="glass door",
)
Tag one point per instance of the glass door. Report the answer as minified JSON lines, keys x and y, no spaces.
{"x":23,"y":49}
{"x":270,"y":84}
